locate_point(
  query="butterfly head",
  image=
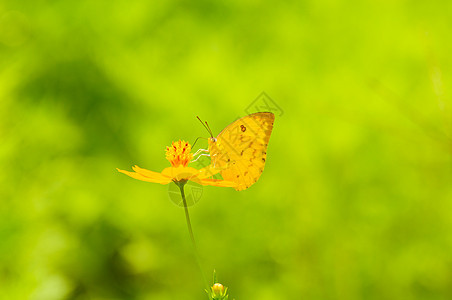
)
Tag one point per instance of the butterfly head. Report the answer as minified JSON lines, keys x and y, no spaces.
{"x":212,"y":141}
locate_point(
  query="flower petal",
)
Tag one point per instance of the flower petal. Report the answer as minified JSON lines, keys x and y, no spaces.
{"x":180,"y":172}
{"x":208,"y":172}
{"x":217,"y":182}
{"x":146,"y":175}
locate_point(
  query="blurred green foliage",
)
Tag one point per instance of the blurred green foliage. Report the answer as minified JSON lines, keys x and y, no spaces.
{"x":356,"y":198}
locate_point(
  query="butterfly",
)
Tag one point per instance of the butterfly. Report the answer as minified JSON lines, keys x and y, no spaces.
{"x":240,"y":150}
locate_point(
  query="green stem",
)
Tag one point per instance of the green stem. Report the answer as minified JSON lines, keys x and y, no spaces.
{"x":181,"y":185}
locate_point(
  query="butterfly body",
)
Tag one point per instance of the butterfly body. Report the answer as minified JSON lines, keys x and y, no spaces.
{"x":240,"y":150}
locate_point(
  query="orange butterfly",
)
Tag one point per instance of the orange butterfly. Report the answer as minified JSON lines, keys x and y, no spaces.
{"x":240,"y":150}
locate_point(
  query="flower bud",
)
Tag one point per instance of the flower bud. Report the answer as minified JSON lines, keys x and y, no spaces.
{"x":218,"y":289}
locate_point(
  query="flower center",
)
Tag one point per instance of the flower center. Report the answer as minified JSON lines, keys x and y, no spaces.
{"x":179,"y":153}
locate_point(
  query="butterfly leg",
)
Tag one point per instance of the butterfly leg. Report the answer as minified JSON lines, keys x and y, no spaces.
{"x":203,"y":154}
{"x":199,"y":151}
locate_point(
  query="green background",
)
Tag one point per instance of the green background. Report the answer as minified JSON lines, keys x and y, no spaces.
{"x":355,"y":201}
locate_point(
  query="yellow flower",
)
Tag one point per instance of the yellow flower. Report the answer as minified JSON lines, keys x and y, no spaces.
{"x":179,"y":155}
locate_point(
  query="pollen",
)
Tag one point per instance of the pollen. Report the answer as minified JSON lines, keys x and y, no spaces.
{"x":179,"y":154}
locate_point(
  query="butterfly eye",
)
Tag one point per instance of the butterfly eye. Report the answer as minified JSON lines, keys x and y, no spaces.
{"x":213,"y":139}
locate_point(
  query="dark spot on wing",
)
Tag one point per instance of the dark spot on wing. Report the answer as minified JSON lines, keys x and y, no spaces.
{"x":243,"y":128}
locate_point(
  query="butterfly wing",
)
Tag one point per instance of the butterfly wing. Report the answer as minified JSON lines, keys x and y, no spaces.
{"x":240,"y":149}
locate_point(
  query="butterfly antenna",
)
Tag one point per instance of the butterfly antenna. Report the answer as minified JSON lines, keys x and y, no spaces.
{"x":205,"y":126}
{"x":210,"y":130}
{"x":199,"y":137}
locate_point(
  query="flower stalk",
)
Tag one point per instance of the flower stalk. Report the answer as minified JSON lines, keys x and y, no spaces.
{"x":181,"y":185}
